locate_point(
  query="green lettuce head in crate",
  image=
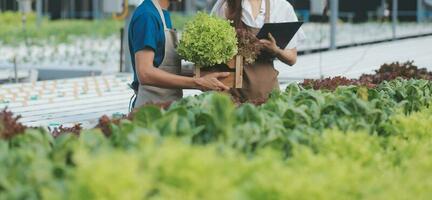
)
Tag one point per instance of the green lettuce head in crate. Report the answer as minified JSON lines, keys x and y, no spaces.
{"x":208,"y":40}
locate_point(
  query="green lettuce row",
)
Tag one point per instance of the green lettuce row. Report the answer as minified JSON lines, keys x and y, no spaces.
{"x":34,"y":165}
{"x":334,"y":165}
{"x":287,"y":117}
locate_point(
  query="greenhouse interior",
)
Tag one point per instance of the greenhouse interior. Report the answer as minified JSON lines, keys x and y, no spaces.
{"x":215,"y":99}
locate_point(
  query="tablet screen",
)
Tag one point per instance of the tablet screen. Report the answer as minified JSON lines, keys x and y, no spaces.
{"x":282,"y":32}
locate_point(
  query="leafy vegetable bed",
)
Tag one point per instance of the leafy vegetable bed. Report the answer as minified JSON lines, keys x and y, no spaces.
{"x":355,"y":142}
{"x":387,"y":72}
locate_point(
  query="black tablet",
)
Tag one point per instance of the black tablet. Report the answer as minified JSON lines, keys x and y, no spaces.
{"x":282,"y":32}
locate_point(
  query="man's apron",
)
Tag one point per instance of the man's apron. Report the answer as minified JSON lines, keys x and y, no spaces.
{"x":171,"y":63}
{"x":259,"y":78}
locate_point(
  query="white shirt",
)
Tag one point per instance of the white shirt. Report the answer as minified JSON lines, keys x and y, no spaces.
{"x":280,"y":11}
{"x":135,"y":2}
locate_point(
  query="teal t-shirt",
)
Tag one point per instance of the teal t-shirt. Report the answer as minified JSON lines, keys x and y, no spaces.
{"x":146,"y":31}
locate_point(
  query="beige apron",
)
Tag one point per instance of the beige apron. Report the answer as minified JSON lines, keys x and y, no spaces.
{"x":259,"y":78}
{"x":171,"y":63}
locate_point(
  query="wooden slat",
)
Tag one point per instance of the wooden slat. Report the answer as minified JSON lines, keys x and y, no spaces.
{"x":239,"y":72}
{"x":197,"y":71}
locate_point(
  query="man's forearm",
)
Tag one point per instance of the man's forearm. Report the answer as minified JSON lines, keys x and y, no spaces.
{"x":150,"y":75}
{"x":159,"y":78}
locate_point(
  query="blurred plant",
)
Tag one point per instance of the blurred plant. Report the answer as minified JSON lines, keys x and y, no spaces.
{"x":248,"y":45}
{"x":395,"y":70}
{"x":75,"y":130}
{"x":9,"y":125}
{"x":386,"y":72}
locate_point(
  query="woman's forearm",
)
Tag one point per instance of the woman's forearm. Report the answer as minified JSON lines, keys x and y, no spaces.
{"x":287,"y":56}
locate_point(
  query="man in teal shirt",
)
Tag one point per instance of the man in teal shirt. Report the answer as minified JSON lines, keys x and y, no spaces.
{"x":155,"y":63}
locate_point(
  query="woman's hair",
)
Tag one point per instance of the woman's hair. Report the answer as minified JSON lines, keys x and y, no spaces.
{"x":235,"y":12}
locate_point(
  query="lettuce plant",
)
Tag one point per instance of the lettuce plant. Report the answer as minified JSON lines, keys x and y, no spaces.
{"x":249,"y":45}
{"x":208,"y":40}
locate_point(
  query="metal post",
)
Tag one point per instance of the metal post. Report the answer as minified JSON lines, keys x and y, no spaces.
{"x":394,"y":17}
{"x":420,"y":11}
{"x":95,"y":9}
{"x":190,"y":6}
{"x":45,"y":9}
{"x":121,"y":49}
{"x":15,"y":69}
{"x":63,"y":7}
{"x":62,"y":10}
{"x":334,"y":9}
{"x":24,"y":27}
{"x":126,"y":53}
{"x":382,"y":12}
{"x":72,"y":9}
{"x":39,"y":11}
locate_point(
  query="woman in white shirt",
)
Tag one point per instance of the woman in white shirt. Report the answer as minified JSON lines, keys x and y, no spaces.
{"x":260,"y":78}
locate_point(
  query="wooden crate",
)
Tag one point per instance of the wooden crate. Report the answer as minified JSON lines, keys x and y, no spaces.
{"x":234,"y":80}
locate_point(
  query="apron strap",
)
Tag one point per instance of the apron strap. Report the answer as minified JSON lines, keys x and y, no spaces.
{"x":156,"y":4}
{"x":267,"y":11}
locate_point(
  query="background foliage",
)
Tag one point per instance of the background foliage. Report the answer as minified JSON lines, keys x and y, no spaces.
{"x":59,"y":31}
